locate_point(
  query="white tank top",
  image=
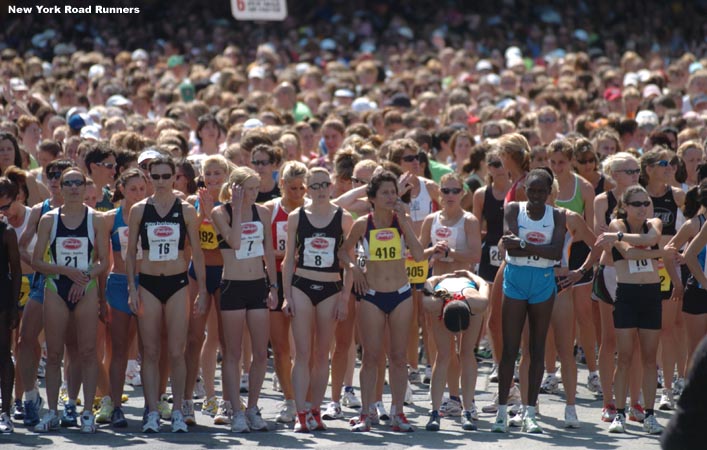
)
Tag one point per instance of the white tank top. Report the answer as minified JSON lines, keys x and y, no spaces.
{"x":421,"y":206}
{"x":454,"y":235}
{"x":21,"y":229}
{"x":534,"y":232}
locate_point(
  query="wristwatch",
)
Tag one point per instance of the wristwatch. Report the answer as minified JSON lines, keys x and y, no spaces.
{"x":619,"y":236}
{"x":523,"y":243}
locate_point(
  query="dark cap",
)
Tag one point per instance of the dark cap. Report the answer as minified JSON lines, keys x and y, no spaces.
{"x":399,"y":100}
{"x":456,"y":316}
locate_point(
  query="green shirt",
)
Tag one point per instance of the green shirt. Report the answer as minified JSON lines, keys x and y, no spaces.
{"x":438,"y":170}
{"x":301,"y":112}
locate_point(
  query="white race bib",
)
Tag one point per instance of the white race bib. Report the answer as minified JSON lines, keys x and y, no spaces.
{"x":495,"y":258}
{"x":123,"y":233}
{"x":640,"y":265}
{"x":251,"y":241}
{"x":448,"y":234}
{"x":281,"y":236}
{"x":163,"y":240}
{"x":72,"y":252}
{"x":319,"y":252}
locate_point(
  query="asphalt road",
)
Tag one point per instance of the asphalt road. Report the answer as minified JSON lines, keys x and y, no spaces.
{"x":592,"y":434}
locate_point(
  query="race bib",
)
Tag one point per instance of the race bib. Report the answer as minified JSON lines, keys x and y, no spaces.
{"x":447,"y":234}
{"x":417,"y":271}
{"x":360,"y":256}
{"x":319,"y":252}
{"x":163,"y":240}
{"x":72,"y":252}
{"x":664,"y":277}
{"x":530,"y":261}
{"x":24,"y":291}
{"x":207,"y":236}
{"x":123,"y":233}
{"x":251,"y":241}
{"x":495,"y":258}
{"x":281,"y":236}
{"x":385,"y":244}
{"x":418,"y":210}
{"x":640,"y":266}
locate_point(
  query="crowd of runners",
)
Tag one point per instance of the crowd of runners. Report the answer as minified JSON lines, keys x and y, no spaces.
{"x":163,"y":214}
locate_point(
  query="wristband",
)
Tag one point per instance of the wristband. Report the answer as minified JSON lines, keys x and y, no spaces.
{"x":273,"y":286}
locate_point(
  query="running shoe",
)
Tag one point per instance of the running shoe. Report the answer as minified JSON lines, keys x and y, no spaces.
{"x":400,"y":423}
{"x":468,"y":421}
{"x":276,"y":383}
{"x":6,"y":425}
{"x":636,"y":413}
{"x":651,"y":425}
{"x":18,"y":410}
{"x":373,"y":415}
{"x":413,"y":376}
{"x":530,"y":424}
{"x":473,"y":411}
{"x":239,"y":424}
{"x":608,"y":413}
{"x":152,"y":423}
{"x":433,"y":421}
{"x":178,"y":423}
{"x":188,"y":412}
{"x":244,"y":383}
{"x":333,"y":411}
{"x":49,"y":422}
{"x":132,"y":373}
{"x":551,"y":384}
{"x":69,"y":417}
{"x":199,"y":388}
{"x":580,"y":357}
{"x":515,"y":420}
{"x":491,"y":408}
{"x":667,"y":401}
{"x":382,"y":413}
{"x":593,"y":383}
{"x":288,"y":412}
{"x":314,"y":420}
{"x":450,"y":408}
{"x":210,"y":406}
{"x":500,"y":425}
{"x":163,"y":407}
{"x":32,"y":410}
{"x":428,"y":375}
{"x":408,"y":401}
{"x":361,"y":424}
{"x":117,"y":419}
{"x":105,"y":411}
{"x":255,"y":420}
{"x":678,"y":386}
{"x":349,"y":398}
{"x":301,"y":422}
{"x":88,"y":422}
{"x":224,"y":414}
{"x":571,"y":420}
{"x":63,"y":394}
{"x":617,"y":425}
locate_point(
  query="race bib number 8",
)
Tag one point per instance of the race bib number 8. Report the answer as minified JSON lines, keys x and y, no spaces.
{"x":385,"y":245}
{"x":319,"y":252}
{"x":207,"y":236}
{"x":72,"y":252}
{"x":640,"y":266}
{"x":251,"y":241}
{"x":163,"y":240}
{"x":495,"y":258}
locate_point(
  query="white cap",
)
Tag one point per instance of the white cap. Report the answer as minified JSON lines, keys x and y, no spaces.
{"x":631,"y":79}
{"x":91,"y":132}
{"x":344,"y":93}
{"x":513,"y":52}
{"x":139,"y":55}
{"x":252,"y":123}
{"x":492,"y":79}
{"x":96,"y":71}
{"x":118,"y":100}
{"x":363,"y":104}
{"x":644,"y":75}
{"x":647,"y":118}
{"x":256,"y":72}
{"x":147,"y":154}
{"x":18,"y":84}
{"x":484,"y":64}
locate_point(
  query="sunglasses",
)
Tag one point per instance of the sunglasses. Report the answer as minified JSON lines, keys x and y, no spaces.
{"x":495,"y":164}
{"x":661,"y":163}
{"x":637,"y":204}
{"x":53,"y":175}
{"x":547,"y":120}
{"x":630,"y":171}
{"x":107,"y":165}
{"x":317,"y":186}
{"x":164,"y":176}
{"x":586,"y":161}
{"x":448,"y":191}
{"x":411,"y":158}
{"x":263,"y":162}
{"x":74,"y":183}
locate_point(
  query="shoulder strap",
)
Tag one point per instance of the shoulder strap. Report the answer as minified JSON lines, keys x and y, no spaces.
{"x":55,"y":215}
{"x":89,"y":225}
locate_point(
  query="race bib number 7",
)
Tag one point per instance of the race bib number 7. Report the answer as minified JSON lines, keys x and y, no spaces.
{"x":385,"y":244}
{"x":251,"y":241}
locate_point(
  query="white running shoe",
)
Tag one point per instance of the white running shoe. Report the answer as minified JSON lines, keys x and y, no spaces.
{"x":210,"y":406}
{"x":516,"y":421}
{"x":382,"y":413}
{"x":349,"y":399}
{"x":239,"y":424}
{"x":178,"y":423}
{"x":617,"y":425}
{"x":49,"y":422}
{"x":571,"y":420}
{"x":287,"y":413}
{"x":6,"y":425}
{"x":450,"y":408}
{"x":132,"y":374}
{"x":152,"y":423}
{"x":651,"y":425}
{"x":593,"y":383}
{"x":500,"y":425}
{"x":551,"y":384}
{"x":667,"y":401}
{"x":408,"y":401}
{"x":188,"y":412}
{"x":474,"y":412}
{"x":530,"y":424}
{"x":88,"y":422}
{"x":224,"y":414}
{"x":333,"y":411}
{"x":255,"y":420}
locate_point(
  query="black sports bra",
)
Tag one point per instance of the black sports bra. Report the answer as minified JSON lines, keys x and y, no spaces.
{"x":616,"y":254}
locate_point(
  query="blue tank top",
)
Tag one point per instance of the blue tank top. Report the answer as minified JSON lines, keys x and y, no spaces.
{"x":118,"y":222}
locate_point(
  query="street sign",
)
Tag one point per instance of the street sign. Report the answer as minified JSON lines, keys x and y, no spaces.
{"x":259,"y":9}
